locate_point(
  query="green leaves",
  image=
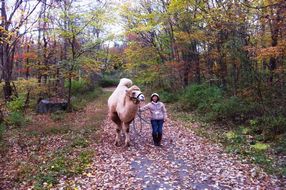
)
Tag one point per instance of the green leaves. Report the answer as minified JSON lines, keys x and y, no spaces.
{"x":17,"y":104}
{"x":260,"y":146}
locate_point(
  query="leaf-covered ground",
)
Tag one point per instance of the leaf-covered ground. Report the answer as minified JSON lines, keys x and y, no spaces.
{"x":50,"y":146}
{"x":185,"y":161}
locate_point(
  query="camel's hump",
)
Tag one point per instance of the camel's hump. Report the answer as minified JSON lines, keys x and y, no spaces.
{"x":125,"y":82}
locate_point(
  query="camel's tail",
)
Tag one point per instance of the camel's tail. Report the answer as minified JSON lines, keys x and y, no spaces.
{"x":125,"y":82}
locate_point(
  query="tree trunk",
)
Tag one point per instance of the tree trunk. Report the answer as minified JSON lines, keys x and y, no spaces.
{"x":198,"y":71}
{"x":275,"y":29}
{"x":73,"y":48}
{"x":27,"y":64}
{"x":223,"y":74}
{"x":7,"y":72}
{"x":221,"y":60}
{"x":69,"y":93}
{"x":7,"y":89}
{"x":195,"y":59}
{"x":187,"y":68}
{"x":235,"y":79}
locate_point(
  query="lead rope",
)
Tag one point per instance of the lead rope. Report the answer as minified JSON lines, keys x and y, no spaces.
{"x":141,"y":121}
{"x":138,"y":132}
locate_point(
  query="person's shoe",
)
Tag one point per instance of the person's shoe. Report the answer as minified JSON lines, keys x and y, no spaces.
{"x":155,"y":140}
{"x":159,"y":140}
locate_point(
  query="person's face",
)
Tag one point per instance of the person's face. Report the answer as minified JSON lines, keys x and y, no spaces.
{"x":154,"y":98}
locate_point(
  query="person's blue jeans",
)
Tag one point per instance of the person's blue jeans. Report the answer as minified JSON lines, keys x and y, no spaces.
{"x":157,"y":127}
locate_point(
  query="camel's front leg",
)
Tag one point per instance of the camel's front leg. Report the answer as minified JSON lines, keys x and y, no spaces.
{"x":118,"y":129}
{"x":114,"y":117}
{"x":126,"y":132}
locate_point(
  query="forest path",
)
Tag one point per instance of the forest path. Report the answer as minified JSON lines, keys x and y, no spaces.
{"x":185,"y":161}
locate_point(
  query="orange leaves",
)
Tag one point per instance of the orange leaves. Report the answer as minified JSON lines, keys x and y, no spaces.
{"x":214,"y":54}
{"x":175,"y":64}
{"x":27,"y":55}
{"x":186,"y":37}
{"x":24,"y":70}
{"x":30,"y":55}
{"x":268,"y":52}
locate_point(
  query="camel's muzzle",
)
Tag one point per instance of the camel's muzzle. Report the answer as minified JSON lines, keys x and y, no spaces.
{"x":137,"y":97}
{"x":141,"y":97}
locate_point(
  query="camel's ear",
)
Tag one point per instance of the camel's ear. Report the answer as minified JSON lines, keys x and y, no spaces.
{"x":127,"y":92}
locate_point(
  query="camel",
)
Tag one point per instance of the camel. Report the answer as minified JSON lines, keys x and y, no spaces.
{"x":123,"y":105}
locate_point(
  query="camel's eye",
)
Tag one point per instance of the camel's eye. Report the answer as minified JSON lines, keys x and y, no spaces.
{"x":133,"y":94}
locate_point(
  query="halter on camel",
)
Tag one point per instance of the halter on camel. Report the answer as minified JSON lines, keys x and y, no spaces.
{"x":137,"y":96}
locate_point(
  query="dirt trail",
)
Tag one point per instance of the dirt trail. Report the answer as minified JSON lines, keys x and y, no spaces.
{"x":185,"y":161}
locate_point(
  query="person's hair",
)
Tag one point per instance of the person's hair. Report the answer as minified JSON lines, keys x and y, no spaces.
{"x":158,"y":98}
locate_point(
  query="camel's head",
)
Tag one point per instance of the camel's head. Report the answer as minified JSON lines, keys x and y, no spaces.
{"x":135,"y":94}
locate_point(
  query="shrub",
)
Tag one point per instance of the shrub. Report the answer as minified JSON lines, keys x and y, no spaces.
{"x":210,"y":101}
{"x":168,"y":97}
{"x":58,"y":115}
{"x":34,"y":88}
{"x":234,"y":109}
{"x":3,"y":146}
{"x":228,"y":108}
{"x":280,"y":145}
{"x":107,"y":82}
{"x":81,"y":100}
{"x":79,"y":86}
{"x":235,"y":137}
{"x":201,"y":97}
{"x":260,"y":146}
{"x":17,"y":104}
{"x":2,"y":129}
{"x":16,"y":119}
{"x":272,"y":126}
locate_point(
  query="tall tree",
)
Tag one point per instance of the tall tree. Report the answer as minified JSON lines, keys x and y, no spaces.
{"x":13,"y":18}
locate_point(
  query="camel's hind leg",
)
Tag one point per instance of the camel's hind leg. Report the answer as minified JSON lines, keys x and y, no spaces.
{"x":126,"y":132}
{"x":117,"y":121}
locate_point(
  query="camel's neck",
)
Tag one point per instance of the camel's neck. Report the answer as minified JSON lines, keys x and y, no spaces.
{"x":129,"y":104}
{"x":129,"y":110}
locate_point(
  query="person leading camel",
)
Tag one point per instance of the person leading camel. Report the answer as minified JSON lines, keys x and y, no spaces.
{"x":158,"y":117}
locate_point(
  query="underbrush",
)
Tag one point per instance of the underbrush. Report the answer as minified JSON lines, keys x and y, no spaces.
{"x":61,"y":164}
{"x":80,"y":86}
{"x":213,"y":105}
{"x":109,"y":80}
{"x":79,"y":101}
{"x":47,"y":163}
{"x":244,"y":127}
{"x":2,"y":143}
